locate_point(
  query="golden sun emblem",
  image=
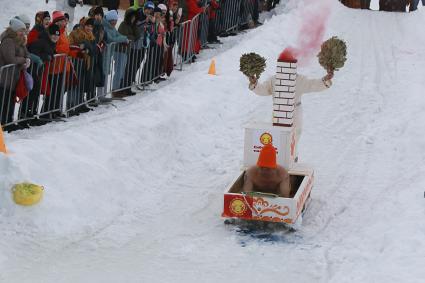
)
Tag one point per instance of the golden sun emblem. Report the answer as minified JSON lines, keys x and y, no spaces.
{"x":237,"y":206}
{"x":266,"y":139}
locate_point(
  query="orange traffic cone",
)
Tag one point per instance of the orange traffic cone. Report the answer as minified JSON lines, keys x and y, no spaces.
{"x":211,"y":71}
{"x":2,"y":144}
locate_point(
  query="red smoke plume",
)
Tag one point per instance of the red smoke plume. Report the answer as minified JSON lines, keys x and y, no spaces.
{"x":310,"y":36}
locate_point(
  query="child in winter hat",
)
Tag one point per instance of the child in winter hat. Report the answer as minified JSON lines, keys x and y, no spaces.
{"x":54,"y":30}
{"x":16,"y":25}
{"x":111,"y":15}
{"x":58,"y":16}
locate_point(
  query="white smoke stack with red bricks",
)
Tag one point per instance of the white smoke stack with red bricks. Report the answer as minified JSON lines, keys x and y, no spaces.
{"x":284,"y":95}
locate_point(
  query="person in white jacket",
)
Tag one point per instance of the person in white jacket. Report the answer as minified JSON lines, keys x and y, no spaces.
{"x":303,"y":85}
{"x":68,"y":6}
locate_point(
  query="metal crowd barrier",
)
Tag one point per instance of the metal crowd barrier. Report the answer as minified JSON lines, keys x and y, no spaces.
{"x":65,"y":84}
{"x":203,"y":29}
{"x":45,"y":99}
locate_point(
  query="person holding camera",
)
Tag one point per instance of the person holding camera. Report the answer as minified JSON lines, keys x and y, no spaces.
{"x":68,"y":6}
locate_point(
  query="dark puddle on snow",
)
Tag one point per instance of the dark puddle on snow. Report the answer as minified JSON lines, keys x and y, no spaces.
{"x":264,"y":232}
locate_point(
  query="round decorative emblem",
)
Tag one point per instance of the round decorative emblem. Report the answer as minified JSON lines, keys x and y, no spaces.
{"x":237,"y":206}
{"x":266,"y":139}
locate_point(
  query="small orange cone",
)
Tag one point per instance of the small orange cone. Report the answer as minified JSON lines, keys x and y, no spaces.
{"x":2,"y":144}
{"x":211,"y":71}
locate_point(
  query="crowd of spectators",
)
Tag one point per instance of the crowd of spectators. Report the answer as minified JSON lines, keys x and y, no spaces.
{"x":102,"y":57}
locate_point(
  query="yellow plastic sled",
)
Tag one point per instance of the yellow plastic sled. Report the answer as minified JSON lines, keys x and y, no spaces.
{"x":27,"y":194}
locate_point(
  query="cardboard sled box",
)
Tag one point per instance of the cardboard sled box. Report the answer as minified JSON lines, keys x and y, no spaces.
{"x":269,"y":207}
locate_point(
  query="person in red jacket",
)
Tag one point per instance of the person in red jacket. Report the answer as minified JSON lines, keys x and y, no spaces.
{"x":193,"y":9}
{"x":42,"y":22}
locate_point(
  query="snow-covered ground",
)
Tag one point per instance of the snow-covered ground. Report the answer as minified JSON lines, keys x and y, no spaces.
{"x":133,"y":193}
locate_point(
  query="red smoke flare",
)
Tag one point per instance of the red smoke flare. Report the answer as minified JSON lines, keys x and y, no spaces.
{"x":288,"y":55}
{"x":311,"y":33}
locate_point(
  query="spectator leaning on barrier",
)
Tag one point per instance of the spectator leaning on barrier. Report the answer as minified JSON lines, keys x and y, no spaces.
{"x":29,"y":105}
{"x":159,"y":36}
{"x":42,"y":22}
{"x":83,"y":51}
{"x":34,"y":58}
{"x":149,"y":42}
{"x":56,"y":70}
{"x":169,"y":40}
{"x":193,"y":9}
{"x":114,"y":39}
{"x":133,"y":32}
{"x":173,"y":6}
{"x":12,"y":51}
{"x":99,"y":33}
{"x":44,"y":47}
{"x":68,"y":6}
{"x":212,"y":15}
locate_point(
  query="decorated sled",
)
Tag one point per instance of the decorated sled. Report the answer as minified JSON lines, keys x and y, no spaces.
{"x":269,"y":207}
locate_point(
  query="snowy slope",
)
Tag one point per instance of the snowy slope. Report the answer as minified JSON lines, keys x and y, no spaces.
{"x":134,"y":193}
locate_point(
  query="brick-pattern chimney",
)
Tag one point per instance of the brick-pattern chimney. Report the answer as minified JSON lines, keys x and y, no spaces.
{"x":284,"y":96}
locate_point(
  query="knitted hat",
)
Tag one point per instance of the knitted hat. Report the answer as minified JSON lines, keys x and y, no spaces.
{"x":58,"y":16}
{"x":24,"y":18}
{"x":163,"y":7}
{"x":16,"y":25}
{"x":111,"y":15}
{"x":267,"y":157}
{"x":149,"y":5}
{"x":54,"y":30}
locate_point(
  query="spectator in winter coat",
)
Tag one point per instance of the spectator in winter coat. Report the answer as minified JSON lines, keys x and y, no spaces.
{"x":193,"y":9}
{"x":44,"y":48}
{"x":26,"y":20}
{"x":212,"y":35}
{"x":303,"y":85}
{"x":114,"y":39}
{"x":133,"y":32}
{"x":167,"y":20}
{"x":56,"y":70}
{"x":42,"y":22}
{"x":174,"y":11}
{"x":267,"y":176}
{"x":62,"y":46}
{"x":68,"y":6}
{"x":99,"y":33}
{"x":12,"y":51}
{"x":83,"y":50}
